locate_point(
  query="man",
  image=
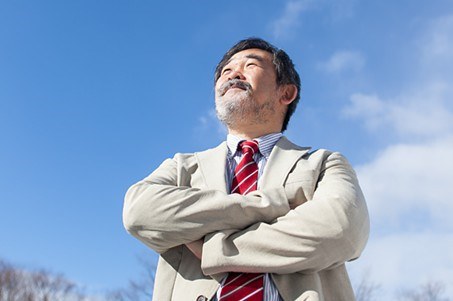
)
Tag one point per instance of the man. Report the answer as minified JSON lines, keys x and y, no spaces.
{"x":257,"y":217}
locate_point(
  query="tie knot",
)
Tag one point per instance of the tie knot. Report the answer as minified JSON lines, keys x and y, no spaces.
{"x":249,"y":147}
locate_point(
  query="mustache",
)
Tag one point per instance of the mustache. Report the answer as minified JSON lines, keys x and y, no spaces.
{"x":234,"y":83}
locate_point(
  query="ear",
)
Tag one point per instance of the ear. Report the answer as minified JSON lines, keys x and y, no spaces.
{"x":288,"y":94}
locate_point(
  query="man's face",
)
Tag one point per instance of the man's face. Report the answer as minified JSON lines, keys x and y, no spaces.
{"x":247,"y":88}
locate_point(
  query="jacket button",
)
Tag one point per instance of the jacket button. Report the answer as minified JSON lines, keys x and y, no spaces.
{"x":202,"y":298}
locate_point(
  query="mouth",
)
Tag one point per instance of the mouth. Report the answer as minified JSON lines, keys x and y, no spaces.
{"x":235,"y":87}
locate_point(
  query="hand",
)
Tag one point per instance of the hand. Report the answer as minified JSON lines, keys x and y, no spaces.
{"x":196,"y":247}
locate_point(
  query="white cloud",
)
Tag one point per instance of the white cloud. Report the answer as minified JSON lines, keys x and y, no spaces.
{"x":436,"y":42}
{"x":341,"y":9}
{"x":406,"y":261}
{"x":343,"y":61}
{"x":411,"y":183}
{"x":290,"y":18}
{"x":408,"y":185}
{"x":435,"y":50}
{"x":425,"y":107}
{"x":209,"y":125}
{"x":426,"y":112}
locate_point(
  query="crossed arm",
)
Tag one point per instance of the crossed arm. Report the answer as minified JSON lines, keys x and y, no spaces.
{"x":257,"y":232}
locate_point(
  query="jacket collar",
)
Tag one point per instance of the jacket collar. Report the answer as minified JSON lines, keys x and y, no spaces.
{"x":284,"y":155}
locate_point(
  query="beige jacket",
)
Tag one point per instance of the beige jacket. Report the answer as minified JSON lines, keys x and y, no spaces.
{"x":304,"y":249}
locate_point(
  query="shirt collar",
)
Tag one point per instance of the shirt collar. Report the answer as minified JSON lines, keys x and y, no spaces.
{"x":265,"y":143}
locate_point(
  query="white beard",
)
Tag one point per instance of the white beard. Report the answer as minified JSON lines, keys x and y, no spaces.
{"x":239,"y":107}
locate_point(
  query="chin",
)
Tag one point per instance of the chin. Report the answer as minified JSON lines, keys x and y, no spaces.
{"x":229,"y":114}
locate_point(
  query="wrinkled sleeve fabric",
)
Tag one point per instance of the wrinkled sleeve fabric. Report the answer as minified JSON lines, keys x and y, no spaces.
{"x":330,"y":228}
{"x":164,"y":210}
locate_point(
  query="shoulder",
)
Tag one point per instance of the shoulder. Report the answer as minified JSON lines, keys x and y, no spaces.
{"x":191,"y":159}
{"x":316,"y":157}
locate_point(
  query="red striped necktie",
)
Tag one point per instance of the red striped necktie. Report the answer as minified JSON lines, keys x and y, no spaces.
{"x":246,"y":172}
{"x":244,"y":286}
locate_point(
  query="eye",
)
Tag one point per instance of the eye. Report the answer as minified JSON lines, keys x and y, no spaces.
{"x":226,"y":70}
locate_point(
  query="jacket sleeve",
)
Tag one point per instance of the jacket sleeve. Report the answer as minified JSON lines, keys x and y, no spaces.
{"x":163,"y":214}
{"x":330,"y":228}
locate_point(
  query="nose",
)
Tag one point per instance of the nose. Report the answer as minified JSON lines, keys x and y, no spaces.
{"x":236,"y":73}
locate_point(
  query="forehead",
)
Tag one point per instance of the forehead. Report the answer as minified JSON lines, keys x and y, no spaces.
{"x":253,"y":53}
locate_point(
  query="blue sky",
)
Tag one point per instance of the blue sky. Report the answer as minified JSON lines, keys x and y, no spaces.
{"x":95,"y":94}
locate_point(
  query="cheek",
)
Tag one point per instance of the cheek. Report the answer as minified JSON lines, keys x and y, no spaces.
{"x":219,"y":83}
{"x":217,"y":89}
{"x":264,"y":87}
{"x":261,"y":80}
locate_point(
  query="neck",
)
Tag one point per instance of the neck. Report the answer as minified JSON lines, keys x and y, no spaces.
{"x":250,"y":133}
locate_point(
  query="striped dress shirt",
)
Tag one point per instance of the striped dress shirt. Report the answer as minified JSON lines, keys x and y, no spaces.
{"x":266,"y":144}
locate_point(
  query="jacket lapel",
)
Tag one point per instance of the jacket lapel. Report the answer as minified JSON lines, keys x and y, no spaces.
{"x":282,"y":159}
{"x":212,"y":164}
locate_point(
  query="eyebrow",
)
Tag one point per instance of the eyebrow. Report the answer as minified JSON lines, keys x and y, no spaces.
{"x":248,"y":56}
{"x":256,"y":57}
